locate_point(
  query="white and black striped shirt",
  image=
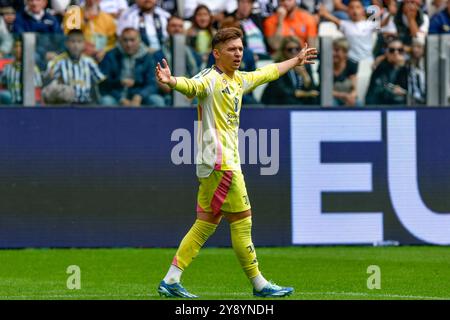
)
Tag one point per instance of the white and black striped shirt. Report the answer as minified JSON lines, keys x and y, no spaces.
{"x":83,"y":75}
{"x":134,"y":18}
{"x":11,"y":78}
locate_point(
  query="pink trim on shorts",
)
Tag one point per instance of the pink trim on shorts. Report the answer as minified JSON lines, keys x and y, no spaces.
{"x":200,"y":209}
{"x":221,"y":192}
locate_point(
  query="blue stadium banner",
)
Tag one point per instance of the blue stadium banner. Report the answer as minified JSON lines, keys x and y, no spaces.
{"x":115,"y":177}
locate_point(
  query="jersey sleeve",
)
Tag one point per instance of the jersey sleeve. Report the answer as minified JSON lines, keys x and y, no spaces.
{"x":198,"y":86}
{"x":259,"y":76}
{"x":54,"y":69}
{"x":96,"y":74}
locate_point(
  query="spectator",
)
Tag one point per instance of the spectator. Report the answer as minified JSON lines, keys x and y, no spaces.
{"x":432,"y":7}
{"x":388,"y":31}
{"x":290,"y":21}
{"x":341,"y":8}
{"x":218,"y":8}
{"x":175,"y":26}
{"x":6,"y":39}
{"x":296,"y":87}
{"x":35,"y":18}
{"x":344,"y":72}
{"x":200,"y":34}
{"x":75,"y":70}
{"x":416,"y":73}
{"x":113,"y":7}
{"x":130,"y":74}
{"x":251,"y":25}
{"x":58,"y":94}
{"x":99,"y":29}
{"x":389,"y":82}
{"x":11,"y":78}
{"x":411,"y":22}
{"x":149,"y":19}
{"x":358,"y":30}
{"x":9,"y":16}
{"x":440,"y":22}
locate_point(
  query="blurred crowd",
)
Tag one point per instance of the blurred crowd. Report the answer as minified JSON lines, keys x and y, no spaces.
{"x":104,"y":51}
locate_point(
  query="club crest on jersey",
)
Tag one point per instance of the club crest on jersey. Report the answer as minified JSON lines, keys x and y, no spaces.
{"x":236,"y":104}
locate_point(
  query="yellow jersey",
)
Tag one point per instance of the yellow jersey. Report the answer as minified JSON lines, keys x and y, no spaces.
{"x":219,"y":107}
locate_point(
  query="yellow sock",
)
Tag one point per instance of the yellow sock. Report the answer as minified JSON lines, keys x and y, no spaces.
{"x":192,"y":243}
{"x":241,"y":238}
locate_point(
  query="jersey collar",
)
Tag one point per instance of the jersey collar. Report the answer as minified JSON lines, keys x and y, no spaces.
{"x":221,"y":72}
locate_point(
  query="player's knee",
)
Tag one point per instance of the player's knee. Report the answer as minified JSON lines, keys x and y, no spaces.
{"x":209,"y":217}
{"x":233,"y":217}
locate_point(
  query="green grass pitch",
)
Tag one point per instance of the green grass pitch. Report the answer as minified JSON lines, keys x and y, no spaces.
{"x":417,"y":272}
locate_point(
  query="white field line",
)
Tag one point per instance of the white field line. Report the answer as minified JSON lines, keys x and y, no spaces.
{"x":211,"y":294}
{"x":378,"y":295}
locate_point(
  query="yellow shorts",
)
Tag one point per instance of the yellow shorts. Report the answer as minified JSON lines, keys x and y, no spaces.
{"x":222,"y":191}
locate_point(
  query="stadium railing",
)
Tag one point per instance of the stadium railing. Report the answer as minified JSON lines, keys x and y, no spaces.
{"x":437,"y":68}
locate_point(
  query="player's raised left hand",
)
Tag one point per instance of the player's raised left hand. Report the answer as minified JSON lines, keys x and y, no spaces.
{"x":307,"y":55}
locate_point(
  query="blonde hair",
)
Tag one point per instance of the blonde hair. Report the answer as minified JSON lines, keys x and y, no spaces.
{"x":341,"y":43}
{"x":279,"y":55}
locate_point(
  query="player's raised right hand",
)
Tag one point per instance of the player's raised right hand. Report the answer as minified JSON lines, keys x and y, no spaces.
{"x":163,"y":73}
{"x":307,"y":55}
